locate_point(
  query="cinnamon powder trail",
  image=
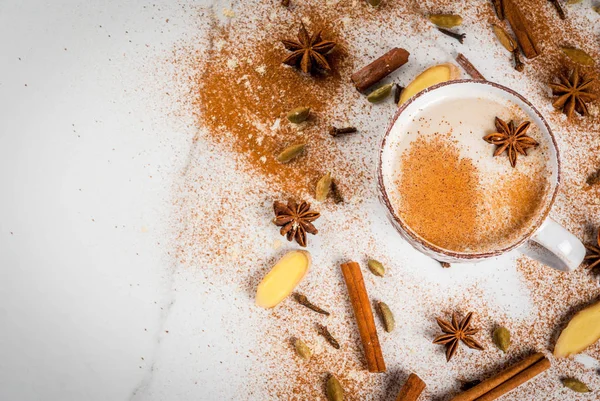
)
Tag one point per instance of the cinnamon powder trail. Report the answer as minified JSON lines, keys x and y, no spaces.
{"x":244,"y":92}
{"x":241,"y":93}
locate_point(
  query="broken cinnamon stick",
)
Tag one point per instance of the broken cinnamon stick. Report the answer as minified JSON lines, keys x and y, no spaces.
{"x":499,"y":7}
{"x":517,"y":380}
{"x":412,"y":389}
{"x":506,"y":380}
{"x":379,"y":69}
{"x":364,"y":316}
{"x":468,"y":67}
{"x":594,"y":178}
{"x":559,"y":9}
{"x":522,"y":29}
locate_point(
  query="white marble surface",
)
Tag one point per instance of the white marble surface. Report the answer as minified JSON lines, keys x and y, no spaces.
{"x":87,"y":166}
{"x":92,"y":303}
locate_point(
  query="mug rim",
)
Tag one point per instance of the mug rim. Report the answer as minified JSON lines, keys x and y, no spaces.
{"x":406,"y":231}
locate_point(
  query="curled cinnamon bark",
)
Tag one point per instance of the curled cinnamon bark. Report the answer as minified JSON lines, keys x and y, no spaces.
{"x":379,"y":69}
{"x":364,"y":316}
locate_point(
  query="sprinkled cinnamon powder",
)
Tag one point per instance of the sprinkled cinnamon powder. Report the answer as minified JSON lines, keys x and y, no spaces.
{"x":453,"y":193}
{"x":440,"y":193}
{"x":244,"y":93}
{"x":225,"y":240}
{"x":524,"y":196}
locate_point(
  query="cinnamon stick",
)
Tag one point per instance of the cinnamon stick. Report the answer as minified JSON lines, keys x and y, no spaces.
{"x":517,"y":380}
{"x":559,"y":9}
{"x":379,"y":69}
{"x":412,"y":389}
{"x":506,"y":375}
{"x":521,"y":28}
{"x":364,"y":316}
{"x":468,"y":67}
{"x":499,"y":7}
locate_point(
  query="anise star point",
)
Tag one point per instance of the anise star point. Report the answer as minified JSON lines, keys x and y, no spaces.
{"x":308,"y":51}
{"x":510,"y":139}
{"x":295,"y":220}
{"x":593,"y":256}
{"x":455,"y":332}
{"x":574,"y":92}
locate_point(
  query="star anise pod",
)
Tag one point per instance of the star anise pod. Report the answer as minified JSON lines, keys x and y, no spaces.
{"x":295,"y":220}
{"x":593,"y":253}
{"x":573,"y":93}
{"x":308,"y":51}
{"x":455,"y":332}
{"x":511,"y":140}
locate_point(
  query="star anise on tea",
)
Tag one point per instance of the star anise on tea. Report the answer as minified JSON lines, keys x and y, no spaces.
{"x":573,"y":93}
{"x":295,"y":220}
{"x":455,"y":332}
{"x":593,"y":255}
{"x":511,"y":140}
{"x":308,"y":52}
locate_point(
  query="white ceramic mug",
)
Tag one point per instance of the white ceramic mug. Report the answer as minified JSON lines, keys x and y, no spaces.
{"x":546,"y":241}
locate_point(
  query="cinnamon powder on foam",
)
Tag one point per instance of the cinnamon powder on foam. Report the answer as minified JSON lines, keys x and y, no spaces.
{"x":439,"y":193}
{"x":443,"y":200}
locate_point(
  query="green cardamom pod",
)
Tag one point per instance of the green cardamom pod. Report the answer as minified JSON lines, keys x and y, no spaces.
{"x":573,"y":1}
{"x":504,"y":38}
{"x":501,"y":338}
{"x":446,"y":20}
{"x":374,"y":3}
{"x":389,"y":323}
{"x":578,"y":55}
{"x":323,"y":187}
{"x":597,"y":9}
{"x":298,"y":115}
{"x":575,"y":385}
{"x":291,"y":152}
{"x":376,"y":267}
{"x":302,"y":349}
{"x":380,"y":94}
{"x":335,"y":392}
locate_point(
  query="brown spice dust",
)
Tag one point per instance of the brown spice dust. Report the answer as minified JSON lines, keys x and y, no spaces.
{"x":244,"y":93}
{"x":578,"y":140}
{"x":444,"y":201}
{"x":439,"y":193}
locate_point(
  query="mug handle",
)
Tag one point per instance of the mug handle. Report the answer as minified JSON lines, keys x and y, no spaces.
{"x":554,"y":246}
